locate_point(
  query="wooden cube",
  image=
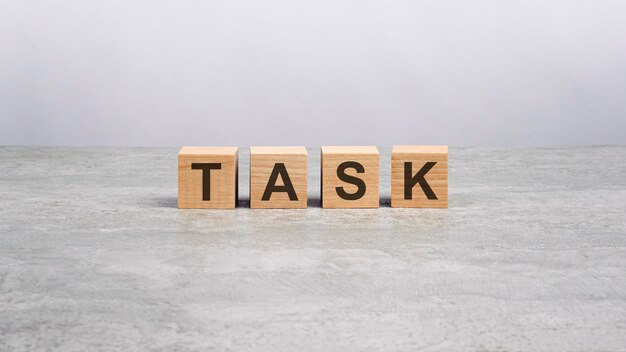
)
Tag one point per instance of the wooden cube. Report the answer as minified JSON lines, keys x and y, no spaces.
{"x":207,"y":177}
{"x":350,"y":177}
{"x":419,"y":176}
{"x":278,"y":177}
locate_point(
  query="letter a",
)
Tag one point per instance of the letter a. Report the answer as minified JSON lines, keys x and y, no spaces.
{"x":279,"y":169}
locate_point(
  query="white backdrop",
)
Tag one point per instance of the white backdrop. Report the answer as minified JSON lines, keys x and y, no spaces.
{"x":312,"y":72}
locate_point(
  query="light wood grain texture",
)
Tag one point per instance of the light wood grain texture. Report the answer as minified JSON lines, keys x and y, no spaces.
{"x":266,"y":160}
{"x":332,"y":158}
{"x":436,"y":177}
{"x":223,"y":181}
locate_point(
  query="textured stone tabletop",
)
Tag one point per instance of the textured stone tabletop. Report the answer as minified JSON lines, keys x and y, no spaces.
{"x":531,"y":255}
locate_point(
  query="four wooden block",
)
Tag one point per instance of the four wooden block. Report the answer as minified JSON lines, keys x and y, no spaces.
{"x":207,"y":177}
{"x":419,"y":176}
{"x":350,"y":177}
{"x":278,"y":177}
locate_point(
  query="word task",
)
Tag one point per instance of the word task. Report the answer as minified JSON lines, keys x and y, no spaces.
{"x":207,"y":177}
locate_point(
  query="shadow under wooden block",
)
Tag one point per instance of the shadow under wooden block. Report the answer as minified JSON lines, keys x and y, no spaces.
{"x":350,"y":177}
{"x":207,"y":177}
{"x":419,"y":176}
{"x":278,"y":177}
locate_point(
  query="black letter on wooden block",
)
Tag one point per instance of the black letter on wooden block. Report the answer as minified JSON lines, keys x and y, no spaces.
{"x":279,"y":169}
{"x":341,"y":173}
{"x":410,"y":181}
{"x":206,"y":176}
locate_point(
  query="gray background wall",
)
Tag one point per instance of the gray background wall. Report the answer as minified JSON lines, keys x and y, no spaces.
{"x":312,"y":72}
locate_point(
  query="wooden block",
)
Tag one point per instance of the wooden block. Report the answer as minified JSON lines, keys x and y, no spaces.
{"x":350,"y":177}
{"x":419,"y":176}
{"x":278,"y":177}
{"x":207,"y":177}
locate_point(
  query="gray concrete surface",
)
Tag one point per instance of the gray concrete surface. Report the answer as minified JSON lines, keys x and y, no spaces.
{"x":94,"y":255}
